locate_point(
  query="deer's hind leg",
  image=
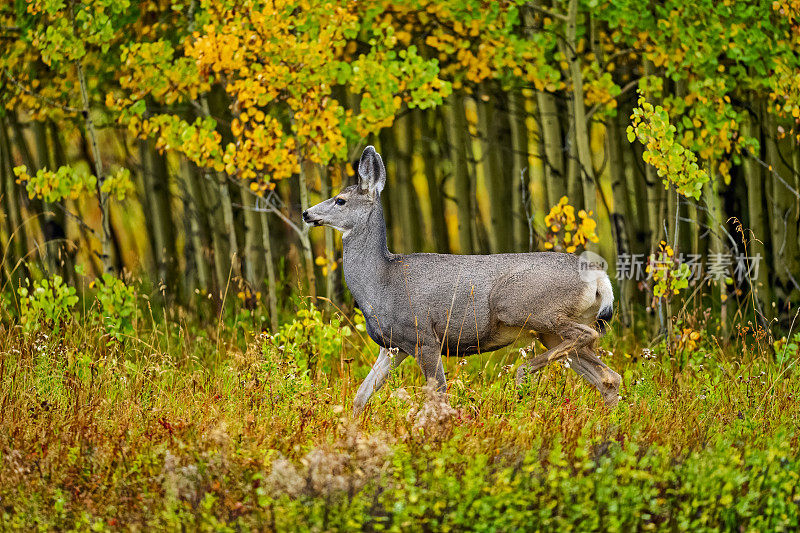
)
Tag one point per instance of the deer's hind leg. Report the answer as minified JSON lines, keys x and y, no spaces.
{"x":596,"y":372}
{"x":573,"y":338}
{"x":584,"y":362}
{"x":432,"y":366}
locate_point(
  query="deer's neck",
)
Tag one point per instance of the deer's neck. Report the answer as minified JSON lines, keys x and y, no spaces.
{"x":366,"y":259}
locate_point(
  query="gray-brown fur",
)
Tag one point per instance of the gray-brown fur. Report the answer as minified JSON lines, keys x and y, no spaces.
{"x":429,"y":305}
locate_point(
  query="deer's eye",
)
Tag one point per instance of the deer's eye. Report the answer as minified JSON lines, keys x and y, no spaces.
{"x":340,"y":201}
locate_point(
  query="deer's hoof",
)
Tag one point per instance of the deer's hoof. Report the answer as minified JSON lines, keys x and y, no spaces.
{"x":611,"y":399}
{"x":611,"y":383}
{"x":358,"y":406}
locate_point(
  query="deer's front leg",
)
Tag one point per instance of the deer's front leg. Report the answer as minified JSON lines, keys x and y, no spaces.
{"x":387,"y":361}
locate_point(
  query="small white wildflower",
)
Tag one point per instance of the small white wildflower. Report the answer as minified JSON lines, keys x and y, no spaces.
{"x":392,"y":353}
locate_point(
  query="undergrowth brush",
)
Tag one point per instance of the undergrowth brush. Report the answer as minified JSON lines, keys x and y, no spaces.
{"x":147,"y":424}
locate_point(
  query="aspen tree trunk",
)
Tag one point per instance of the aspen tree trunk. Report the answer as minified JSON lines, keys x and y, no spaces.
{"x":684,"y":229}
{"x":215,"y":197}
{"x":43,"y":159}
{"x":495,"y":132}
{"x":5,"y":227}
{"x":492,"y":176}
{"x":757,"y":221}
{"x":65,"y":250}
{"x":308,"y":255}
{"x":193,"y":210}
{"x":190,"y":278}
{"x":672,"y":228}
{"x":636,"y":185}
{"x":102,"y":197}
{"x":258,"y":253}
{"x":653,"y":184}
{"x":59,"y":157}
{"x":537,"y":188}
{"x":663,"y":220}
{"x":519,"y":165}
{"x":583,"y":145}
{"x":482,"y":240}
{"x":219,"y":237}
{"x":12,"y":218}
{"x":430,"y":146}
{"x":796,"y":213}
{"x":156,"y":180}
{"x":716,"y":222}
{"x":457,"y":136}
{"x":762,"y":114}
{"x":163,"y":202}
{"x":230,"y":226}
{"x":144,"y":178}
{"x":622,"y":218}
{"x":784,"y":215}
{"x":637,"y":182}
{"x":42,"y":162}
{"x":405,"y":194}
{"x":389,"y":197}
{"x":653,"y":204}
{"x":272,"y":288}
{"x":227,"y":263}
{"x":252,"y":258}
{"x":20,"y":243}
{"x":552,"y":140}
{"x":330,"y":252}
{"x":21,"y":143}
{"x":34,"y":227}
{"x":502,"y":164}
{"x":574,"y":179}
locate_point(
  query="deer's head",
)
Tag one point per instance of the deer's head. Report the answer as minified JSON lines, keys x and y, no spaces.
{"x":352,"y":206}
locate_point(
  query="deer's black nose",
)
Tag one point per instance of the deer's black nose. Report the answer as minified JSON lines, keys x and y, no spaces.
{"x":305,"y":215}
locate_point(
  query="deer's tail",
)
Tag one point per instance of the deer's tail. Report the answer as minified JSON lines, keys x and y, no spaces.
{"x":606,"y":295}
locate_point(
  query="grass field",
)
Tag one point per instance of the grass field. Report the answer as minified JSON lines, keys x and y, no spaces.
{"x":174,"y":426}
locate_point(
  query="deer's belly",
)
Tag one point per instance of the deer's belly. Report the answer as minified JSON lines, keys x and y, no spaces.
{"x":488,"y":341}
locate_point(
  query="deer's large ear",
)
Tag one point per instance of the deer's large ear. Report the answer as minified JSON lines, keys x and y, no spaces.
{"x":371,"y":172}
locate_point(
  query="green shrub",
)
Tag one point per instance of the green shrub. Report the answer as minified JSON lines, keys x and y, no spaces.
{"x":46,"y":302}
{"x":787,"y":349}
{"x":117,"y":309}
{"x":311,"y":340}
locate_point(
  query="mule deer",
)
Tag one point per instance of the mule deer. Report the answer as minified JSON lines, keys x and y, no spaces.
{"x":428,"y":305}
